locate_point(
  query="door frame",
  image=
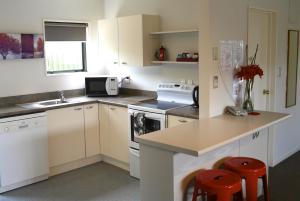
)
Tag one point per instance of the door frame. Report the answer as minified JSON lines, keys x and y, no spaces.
{"x":272,"y":62}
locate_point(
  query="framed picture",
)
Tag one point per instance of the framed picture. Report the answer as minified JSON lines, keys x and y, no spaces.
{"x":21,"y":46}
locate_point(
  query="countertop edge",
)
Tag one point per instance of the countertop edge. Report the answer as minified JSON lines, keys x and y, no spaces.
{"x":198,"y":153}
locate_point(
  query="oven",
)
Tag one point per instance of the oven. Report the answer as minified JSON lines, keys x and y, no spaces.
{"x":141,"y":123}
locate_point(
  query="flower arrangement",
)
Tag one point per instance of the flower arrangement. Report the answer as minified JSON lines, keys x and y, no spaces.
{"x":248,"y":73}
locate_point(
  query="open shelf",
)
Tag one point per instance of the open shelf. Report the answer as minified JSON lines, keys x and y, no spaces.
{"x":174,"y":62}
{"x":174,"y":32}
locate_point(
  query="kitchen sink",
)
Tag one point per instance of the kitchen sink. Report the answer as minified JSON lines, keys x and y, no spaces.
{"x":45,"y":104}
{"x":52,"y":102}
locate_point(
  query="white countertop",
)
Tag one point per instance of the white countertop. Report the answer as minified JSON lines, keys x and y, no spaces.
{"x":203,"y":135}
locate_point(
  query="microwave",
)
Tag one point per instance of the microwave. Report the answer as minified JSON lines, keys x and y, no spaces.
{"x":101,"y":86}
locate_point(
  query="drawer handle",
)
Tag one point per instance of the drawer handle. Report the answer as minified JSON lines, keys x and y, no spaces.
{"x":112,"y":108}
{"x":124,"y":63}
{"x":255,"y":135}
{"x":77,"y":109}
{"x":115,"y":62}
{"x":182,"y":120}
{"x":23,"y":126}
{"x":90,"y":107}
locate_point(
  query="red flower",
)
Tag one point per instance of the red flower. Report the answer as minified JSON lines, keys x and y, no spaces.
{"x":249,"y":72}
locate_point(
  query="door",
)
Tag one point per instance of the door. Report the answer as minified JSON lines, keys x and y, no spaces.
{"x":261,"y":31}
{"x":108,"y":41}
{"x":91,"y":130}
{"x":130,"y":40}
{"x":118,"y":133}
{"x":66,"y":135}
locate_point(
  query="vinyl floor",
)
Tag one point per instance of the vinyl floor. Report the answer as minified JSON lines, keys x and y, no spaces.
{"x":104,"y":182}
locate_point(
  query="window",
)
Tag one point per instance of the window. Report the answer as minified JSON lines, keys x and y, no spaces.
{"x":65,"y":47}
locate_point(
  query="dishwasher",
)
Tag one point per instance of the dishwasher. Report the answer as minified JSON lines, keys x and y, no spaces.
{"x":23,"y":150}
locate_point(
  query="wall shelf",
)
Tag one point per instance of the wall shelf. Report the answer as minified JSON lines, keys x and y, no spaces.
{"x":174,"y":32}
{"x":174,"y":62}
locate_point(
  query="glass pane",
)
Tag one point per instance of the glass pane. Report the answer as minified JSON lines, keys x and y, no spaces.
{"x":63,"y":56}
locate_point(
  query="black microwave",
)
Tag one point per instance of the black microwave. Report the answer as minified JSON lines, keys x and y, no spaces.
{"x":101,"y":86}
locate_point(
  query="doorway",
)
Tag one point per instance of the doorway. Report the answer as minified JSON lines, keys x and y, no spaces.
{"x":262,"y":32}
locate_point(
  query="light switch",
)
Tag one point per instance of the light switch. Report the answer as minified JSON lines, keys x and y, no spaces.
{"x":215,"y":82}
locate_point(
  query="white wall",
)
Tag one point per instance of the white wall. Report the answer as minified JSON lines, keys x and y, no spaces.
{"x":228,"y":20}
{"x":175,"y":14}
{"x":28,"y":76}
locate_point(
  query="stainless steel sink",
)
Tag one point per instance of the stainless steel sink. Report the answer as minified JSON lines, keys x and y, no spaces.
{"x":45,"y":104}
{"x":52,"y":102}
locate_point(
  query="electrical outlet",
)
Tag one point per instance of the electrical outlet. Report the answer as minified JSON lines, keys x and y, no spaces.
{"x":215,"y":82}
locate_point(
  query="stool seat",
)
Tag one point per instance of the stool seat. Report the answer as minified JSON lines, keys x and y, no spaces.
{"x":221,"y":183}
{"x":251,"y":170}
{"x":245,"y":166}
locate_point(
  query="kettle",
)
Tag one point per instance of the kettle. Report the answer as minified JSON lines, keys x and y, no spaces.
{"x":196,"y":96}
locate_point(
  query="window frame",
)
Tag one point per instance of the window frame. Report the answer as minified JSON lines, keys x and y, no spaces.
{"x":84,"y":50}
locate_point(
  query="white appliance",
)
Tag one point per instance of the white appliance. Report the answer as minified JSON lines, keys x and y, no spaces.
{"x":23,"y":150}
{"x":101,"y":86}
{"x":149,"y":116}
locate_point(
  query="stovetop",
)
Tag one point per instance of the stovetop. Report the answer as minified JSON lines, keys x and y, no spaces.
{"x":156,"y":106}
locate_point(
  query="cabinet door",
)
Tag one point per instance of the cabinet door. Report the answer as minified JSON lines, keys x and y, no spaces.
{"x":104,"y":129}
{"x":130,"y":40}
{"x":108,"y":41}
{"x":176,"y":121}
{"x":91,"y":130}
{"x":66,"y":135}
{"x":255,"y":146}
{"x":118,"y":133}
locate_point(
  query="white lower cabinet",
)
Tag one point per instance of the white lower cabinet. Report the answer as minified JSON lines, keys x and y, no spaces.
{"x":255,"y":146}
{"x":176,"y":121}
{"x":91,"y":130}
{"x":73,"y":133}
{"x":66,"y":135}
{"x":114,"y":132}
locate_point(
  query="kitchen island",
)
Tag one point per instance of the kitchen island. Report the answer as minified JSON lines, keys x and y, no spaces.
{"x":169,"y":158}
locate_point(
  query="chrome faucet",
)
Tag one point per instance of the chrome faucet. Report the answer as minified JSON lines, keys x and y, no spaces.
{"x":61,"y":96}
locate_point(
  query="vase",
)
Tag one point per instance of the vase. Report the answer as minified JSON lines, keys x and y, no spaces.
{"x":248,"y":102}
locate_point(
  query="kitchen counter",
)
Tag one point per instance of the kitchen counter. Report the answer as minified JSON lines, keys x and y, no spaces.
{"x":121,"y":101}
{"x":188,"y":112}
{"x":198,"y":137}
{"x":170,"y":158}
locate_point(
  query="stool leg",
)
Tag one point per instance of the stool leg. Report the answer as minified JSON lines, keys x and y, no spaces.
{"x":251,"y":189}
{"x":224,"y":196}
{"x":196,"y":192}
{"x":239,"y":196}
{"x":266,"y":191}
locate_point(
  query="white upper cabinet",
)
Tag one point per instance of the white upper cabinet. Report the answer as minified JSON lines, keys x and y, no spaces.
{"x":126,"y":41}
{"x":108,"y":37}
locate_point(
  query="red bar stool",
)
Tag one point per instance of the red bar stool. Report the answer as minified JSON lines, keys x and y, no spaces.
{"x":221,"y":184}
{"x":251,"y":170}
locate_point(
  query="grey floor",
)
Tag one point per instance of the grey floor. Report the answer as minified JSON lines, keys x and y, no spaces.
{"x":98,"y":182}
{"x":103,"y":182}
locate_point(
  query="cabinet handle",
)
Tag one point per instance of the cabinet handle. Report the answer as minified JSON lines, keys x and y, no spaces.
{"x":90,"y":107}
{"x":112,"y":108}
{"x":182,"y":120}
{"x":77,"y":109}
{"x":255,"y":135}
{"x":115,"y":62}
{"x":125,"y":63}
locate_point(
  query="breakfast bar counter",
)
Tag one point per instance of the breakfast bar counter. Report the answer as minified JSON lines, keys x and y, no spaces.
{"x":170,"y":157}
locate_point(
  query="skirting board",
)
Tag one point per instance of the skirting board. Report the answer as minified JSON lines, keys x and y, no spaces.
{"x":114,"y":162}
{"x":87,"y":161}
{"x":285,"y":156}
{"x":74,"y":165}
{"x":23,"y":183}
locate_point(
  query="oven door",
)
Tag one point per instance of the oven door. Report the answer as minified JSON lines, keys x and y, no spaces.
{"x":142,"y":123}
